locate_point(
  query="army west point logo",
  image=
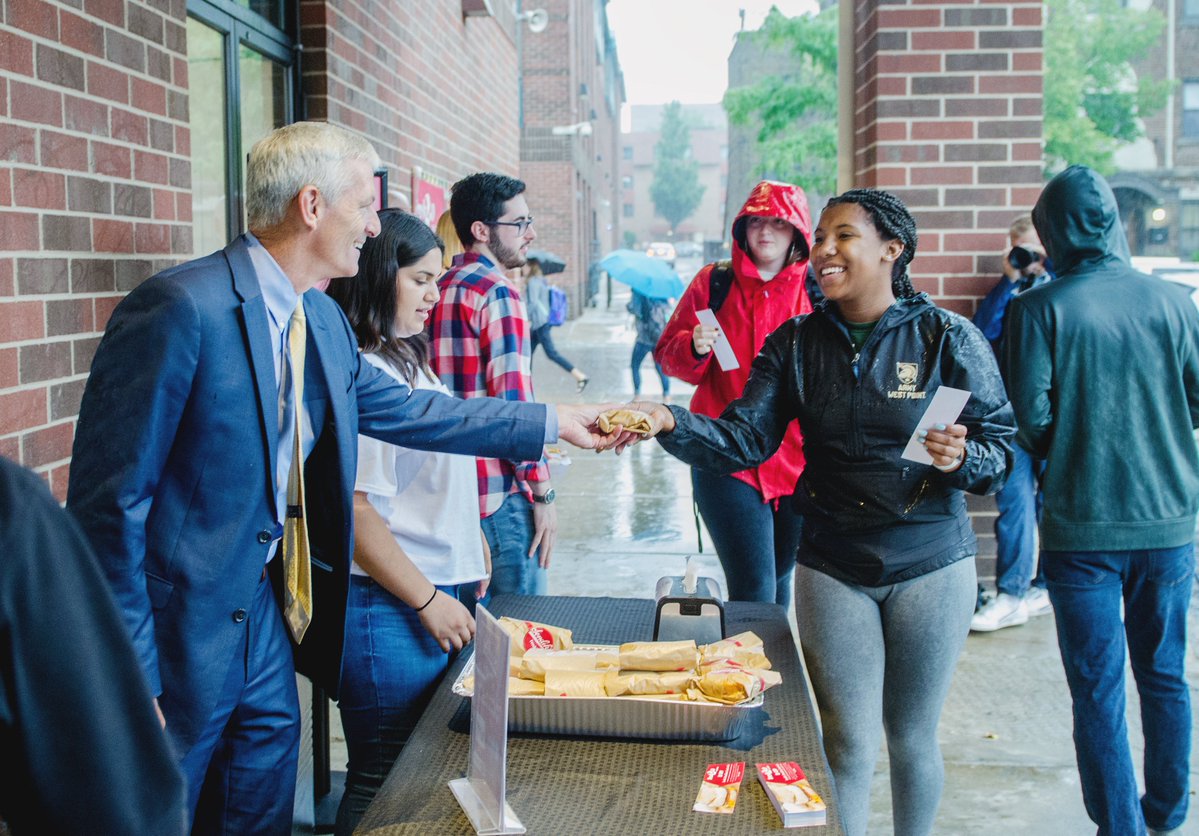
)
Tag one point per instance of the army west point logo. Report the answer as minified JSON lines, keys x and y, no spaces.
{"x":907,"y":373}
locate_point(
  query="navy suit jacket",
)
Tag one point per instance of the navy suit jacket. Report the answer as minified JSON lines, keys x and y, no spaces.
{"x":172,"y":475}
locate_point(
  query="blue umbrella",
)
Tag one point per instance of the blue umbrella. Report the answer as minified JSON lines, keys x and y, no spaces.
{"x":651,"y":277}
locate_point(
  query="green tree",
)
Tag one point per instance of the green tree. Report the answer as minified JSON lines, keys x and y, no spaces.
{"x":797,"y":111}
{"x":676,"y":190}
{"x":1094,"y":102}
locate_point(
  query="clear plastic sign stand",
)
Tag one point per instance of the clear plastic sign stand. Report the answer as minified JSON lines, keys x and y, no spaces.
{"x":481,"y":794}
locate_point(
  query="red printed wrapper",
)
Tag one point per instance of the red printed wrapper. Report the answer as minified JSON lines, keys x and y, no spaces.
{"x":720,"y":787}
{"x":792,"y":796}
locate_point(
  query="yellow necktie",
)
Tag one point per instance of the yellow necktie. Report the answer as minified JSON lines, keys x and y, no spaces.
{"x":297,"y":563}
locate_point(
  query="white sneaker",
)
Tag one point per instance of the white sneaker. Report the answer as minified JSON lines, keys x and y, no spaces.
{"x":1003,"y":611}
{"x":1037,"y":601}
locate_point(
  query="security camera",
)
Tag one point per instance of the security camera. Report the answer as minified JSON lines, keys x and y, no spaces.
{"x":538,"y":19}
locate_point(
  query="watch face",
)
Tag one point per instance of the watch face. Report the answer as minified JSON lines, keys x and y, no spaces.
{"x":547,"y":498}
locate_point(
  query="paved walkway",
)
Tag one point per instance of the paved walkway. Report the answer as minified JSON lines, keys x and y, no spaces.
{"x":625,"y":522}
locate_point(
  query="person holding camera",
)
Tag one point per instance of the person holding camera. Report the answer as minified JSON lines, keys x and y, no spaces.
{"x":1019,"y":595}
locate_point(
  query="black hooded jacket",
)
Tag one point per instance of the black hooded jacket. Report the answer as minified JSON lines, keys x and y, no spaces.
{"x":1103,"y":370}
{"x":870,"y":517}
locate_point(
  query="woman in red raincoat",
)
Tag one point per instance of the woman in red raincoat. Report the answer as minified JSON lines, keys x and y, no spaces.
{"x":755,"y":534}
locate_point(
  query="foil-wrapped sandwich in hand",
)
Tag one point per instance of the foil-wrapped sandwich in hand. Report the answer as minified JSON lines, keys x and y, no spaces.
{"x":630,"y":419}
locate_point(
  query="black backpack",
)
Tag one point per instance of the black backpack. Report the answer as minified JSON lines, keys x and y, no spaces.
{"x":720,"y":281}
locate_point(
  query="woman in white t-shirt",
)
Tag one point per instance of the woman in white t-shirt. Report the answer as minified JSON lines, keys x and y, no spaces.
{"x":416,"y":518}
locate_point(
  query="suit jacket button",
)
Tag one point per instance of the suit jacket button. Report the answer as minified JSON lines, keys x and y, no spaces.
{"x":239,"y":616}
{"x":264,"y":536}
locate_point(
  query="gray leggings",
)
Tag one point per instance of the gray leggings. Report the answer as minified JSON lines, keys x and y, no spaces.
{"x":882,"y":658}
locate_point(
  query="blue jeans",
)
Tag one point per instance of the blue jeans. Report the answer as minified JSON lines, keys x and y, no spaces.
{"x":390,"y":667}
{"x":541,"y":337}
{"x":1019,"y":504}
{"x":639,"y":352}
{"x":241,"y":772}
{"x":1086,"y":589}
{"x":509,"y":533}
{"x":755,"y":543}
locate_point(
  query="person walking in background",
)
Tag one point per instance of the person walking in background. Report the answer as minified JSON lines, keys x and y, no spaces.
{"x":886,"y":582}
{"x":480,"y":347}
{"x":217,"y":432}
{"x":1102,"y":365}
{"x":84,"y":749}
{"x":1020,"y":586}
{"x":649,"y":319}
{"x":749,"y":514}
{"x":416,"y":544}
{"x":537,"y":301}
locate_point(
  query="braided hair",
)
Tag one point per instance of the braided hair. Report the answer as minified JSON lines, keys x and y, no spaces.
{"x":892,"y":220}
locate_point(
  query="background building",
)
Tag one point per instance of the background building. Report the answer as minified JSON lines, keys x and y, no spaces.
{"x":709,"y":147}
{"x":572,"y":91}
{"x":1157,"y":185}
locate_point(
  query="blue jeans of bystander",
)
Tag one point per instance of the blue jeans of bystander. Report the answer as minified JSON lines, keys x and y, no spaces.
{"x":509,"y":533}
{"x":1086,"y":589}
{"x":639,"y":351}
{"x":755,"y":543}
{"x":1019,"y":504}
{"x":390,"y":667}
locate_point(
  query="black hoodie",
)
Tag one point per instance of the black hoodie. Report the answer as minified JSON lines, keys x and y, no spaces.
{"x":1103,"y":371}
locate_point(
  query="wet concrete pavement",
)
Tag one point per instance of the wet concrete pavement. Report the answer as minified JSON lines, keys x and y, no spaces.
{"x":626,"y":521}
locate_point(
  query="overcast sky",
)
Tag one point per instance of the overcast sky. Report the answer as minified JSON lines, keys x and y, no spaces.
{"x":679,"y":49}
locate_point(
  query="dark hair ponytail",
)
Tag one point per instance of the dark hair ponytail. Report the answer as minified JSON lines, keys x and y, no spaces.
{"x":369,"y":298}
{"x":892,"y":220}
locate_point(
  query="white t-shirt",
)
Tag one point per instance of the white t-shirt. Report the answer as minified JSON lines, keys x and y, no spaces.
{"x":430,"y":501}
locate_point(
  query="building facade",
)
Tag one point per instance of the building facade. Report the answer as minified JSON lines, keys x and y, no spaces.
{"x":1157,"y":183}
{"x":571,"y":94}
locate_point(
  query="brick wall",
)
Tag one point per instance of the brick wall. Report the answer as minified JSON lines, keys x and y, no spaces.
{"x":572,"y":179}
{"x":426,"y":86}
{"x":95,"y":195}
{"x":948,"y":116}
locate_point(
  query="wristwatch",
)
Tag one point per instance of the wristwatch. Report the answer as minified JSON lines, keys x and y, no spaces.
{"x":546,"y":498}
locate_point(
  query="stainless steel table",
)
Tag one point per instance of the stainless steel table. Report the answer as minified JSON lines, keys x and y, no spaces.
{"x":580,"y":785}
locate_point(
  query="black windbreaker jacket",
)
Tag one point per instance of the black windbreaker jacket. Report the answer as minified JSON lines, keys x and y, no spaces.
{"x":870,"y":517}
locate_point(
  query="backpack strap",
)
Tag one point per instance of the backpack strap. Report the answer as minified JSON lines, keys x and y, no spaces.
{"x":720,"y":281}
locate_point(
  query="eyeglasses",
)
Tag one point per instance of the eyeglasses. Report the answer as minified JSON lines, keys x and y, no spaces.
{"x":522,"y":224}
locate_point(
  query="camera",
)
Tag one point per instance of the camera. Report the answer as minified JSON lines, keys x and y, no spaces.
{"x":1021,"y":257}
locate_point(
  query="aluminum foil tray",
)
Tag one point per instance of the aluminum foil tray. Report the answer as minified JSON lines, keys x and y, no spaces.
{"x":642,"y":717}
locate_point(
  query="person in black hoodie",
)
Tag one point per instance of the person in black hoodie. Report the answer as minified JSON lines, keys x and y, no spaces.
{"x":885,"y":586}
{"x":1106,"y":390}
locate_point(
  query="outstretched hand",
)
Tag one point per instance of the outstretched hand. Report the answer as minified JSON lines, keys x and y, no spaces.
{"x":577,"y":425}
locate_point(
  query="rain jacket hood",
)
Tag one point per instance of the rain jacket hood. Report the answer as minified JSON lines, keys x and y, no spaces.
{"x":771,"y":199}
{"x":1079,"y":223}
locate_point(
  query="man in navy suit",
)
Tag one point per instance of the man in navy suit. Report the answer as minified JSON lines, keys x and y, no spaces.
{"x":181,"y":461}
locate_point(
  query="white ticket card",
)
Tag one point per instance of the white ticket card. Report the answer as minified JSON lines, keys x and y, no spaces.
{"x":946,"y":405}
{"x":724,"y":351}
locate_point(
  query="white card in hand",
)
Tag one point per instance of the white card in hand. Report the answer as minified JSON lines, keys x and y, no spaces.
{"x":944,"y":408}
{"x":724,"y":351}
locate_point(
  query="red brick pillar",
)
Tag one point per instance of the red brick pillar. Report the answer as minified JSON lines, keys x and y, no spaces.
{"x":948,"y":115}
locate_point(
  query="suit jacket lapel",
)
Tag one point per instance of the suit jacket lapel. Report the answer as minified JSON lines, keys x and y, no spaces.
{"x":257,"y":331}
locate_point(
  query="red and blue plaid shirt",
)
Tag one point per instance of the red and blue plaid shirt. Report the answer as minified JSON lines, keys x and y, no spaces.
{"x":479,"y":342}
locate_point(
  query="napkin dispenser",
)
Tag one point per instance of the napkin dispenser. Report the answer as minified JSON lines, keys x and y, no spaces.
{"x":689,"y":607}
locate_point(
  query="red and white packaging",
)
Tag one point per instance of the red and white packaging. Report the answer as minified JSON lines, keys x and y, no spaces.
{"x":719,"y":790}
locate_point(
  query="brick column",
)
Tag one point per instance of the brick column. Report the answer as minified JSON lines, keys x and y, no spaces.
{"x":95,"y":195}
{"x":947,"y":114}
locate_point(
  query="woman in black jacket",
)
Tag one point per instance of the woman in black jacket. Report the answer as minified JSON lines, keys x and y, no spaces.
{"x":886,"y":583}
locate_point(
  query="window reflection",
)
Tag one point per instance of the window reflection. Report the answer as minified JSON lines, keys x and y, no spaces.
{"x":272,"y":10}
{"x":263,"y":97}
{"x":210,"y":150}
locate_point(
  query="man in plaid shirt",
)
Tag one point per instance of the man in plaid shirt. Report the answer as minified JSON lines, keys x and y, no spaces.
{"x":480,"y":346}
